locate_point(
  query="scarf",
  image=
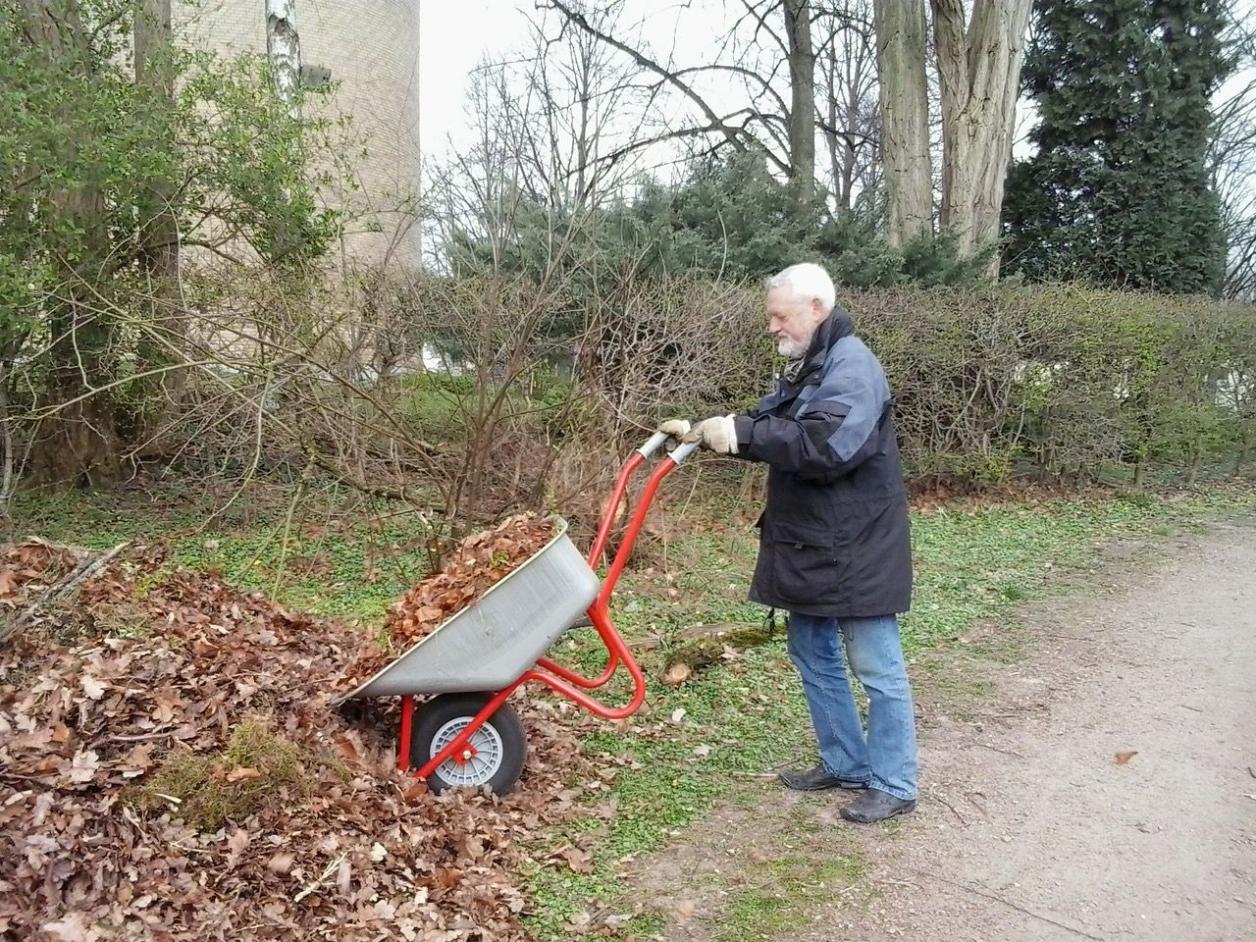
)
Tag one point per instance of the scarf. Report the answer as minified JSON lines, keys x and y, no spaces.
{"x":793,"y":369}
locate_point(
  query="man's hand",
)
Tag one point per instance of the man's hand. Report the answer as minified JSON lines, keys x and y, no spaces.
{"x":717,"y":434}
{"x":676,"y":428}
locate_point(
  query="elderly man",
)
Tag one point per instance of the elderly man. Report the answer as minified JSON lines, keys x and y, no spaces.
{"x":834,"y":544}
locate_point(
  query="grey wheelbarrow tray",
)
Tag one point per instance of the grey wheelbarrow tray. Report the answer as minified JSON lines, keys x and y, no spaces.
{"x":487,"y":645}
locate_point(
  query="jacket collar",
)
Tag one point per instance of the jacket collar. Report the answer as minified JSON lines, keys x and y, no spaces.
{"x":832,"y":329}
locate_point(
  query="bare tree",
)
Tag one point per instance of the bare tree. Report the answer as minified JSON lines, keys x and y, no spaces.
{"x":1232,"y":160}
{"x":900,"y":30}
{"x":849,"y":117}
{"x":979,"y":68}
{"x":588,"y":105}
{"x":158,"y":232}
{"x":557,"y":126}
{"x":802,"y":67}
{"x":155,"y":70}
{"x":783,"y":134}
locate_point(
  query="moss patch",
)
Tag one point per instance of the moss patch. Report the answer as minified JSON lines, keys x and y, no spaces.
{"x":257,"y":767}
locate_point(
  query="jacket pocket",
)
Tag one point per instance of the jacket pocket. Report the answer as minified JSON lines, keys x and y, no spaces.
{"x":804,"y":562}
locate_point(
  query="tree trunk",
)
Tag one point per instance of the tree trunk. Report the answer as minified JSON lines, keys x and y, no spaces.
{"x":904,"y":100}
{"x":154,"y":69}
{"x":283,"y":46}
{"x":76,"y":440}
{"x":979,"y":72}
{"x":159,"y":227}
{"x":802,"y":125}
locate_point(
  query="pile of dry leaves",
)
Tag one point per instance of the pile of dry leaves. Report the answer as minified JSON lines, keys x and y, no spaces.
{"x":477,"y":564}
{"x":173,"y":768}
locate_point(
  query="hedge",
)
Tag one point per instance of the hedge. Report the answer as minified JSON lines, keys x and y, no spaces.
{"x":1060,"y":381}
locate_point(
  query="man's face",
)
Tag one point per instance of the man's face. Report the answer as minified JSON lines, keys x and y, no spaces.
{"x":791,"y":322}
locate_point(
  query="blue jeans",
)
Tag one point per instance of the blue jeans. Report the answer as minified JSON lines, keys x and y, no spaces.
{"x":886,"y":757}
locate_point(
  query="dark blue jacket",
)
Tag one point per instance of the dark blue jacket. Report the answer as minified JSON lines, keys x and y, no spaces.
{"x":834,"y":538}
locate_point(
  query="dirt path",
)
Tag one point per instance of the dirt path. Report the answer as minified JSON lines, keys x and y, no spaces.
{"x":1029,"y":827}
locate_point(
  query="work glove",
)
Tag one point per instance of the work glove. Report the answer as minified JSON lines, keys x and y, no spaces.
{"x":674,"y":428}
{"x":718,"y":434}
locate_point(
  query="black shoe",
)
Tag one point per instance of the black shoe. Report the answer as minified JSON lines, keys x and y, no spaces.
{"x":817,"y":779}
{"x":876,"y":805}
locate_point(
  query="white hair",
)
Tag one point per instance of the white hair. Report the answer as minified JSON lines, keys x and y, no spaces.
{"x":808,"y":281}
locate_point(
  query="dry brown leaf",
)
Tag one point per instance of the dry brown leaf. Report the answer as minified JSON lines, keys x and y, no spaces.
{"x":84,"y":766}
{"x":415,"y":790}
{"x":92,"y":687}
{"x":579,"y":861}
{"x":685,"y":908}
{"x":73,"y":927}
{"x":237,"y":843}
{"x":446,"y":877}
{"x":678,"y":673}
{"x":280,"y":863}
{"x":167,"y":699}
{"x":1123,"y":758}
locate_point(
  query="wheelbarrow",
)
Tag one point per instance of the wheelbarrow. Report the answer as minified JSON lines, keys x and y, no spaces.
{"x":465,"y":734}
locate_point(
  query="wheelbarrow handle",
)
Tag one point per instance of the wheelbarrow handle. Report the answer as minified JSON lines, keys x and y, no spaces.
{"x":683,"y":451}
{"x":659,"y":439}
{"x":653,"y":444}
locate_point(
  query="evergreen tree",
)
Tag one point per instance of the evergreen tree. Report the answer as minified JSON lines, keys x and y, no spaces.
{"x":729,"y":217}
{"x":1118,"y":192}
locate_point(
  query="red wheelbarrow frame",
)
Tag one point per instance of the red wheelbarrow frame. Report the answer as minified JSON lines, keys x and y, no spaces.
{"x":558,"y":678}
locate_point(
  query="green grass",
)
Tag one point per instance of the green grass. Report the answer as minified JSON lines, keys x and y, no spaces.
{"x":771,"y":908}
{"x":744,"y":716}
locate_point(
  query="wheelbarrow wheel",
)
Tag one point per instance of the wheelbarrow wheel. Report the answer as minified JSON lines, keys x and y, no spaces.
{"x":499,"y":746}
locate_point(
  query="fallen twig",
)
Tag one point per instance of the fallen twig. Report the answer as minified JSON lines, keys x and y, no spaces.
{"x":1020,"y":909}
{"x":1006,"y":752}
{"x":141,"y":737}
{"x":328,"y":871}
{"x":940,"y":799}
{"x":82,"y":572}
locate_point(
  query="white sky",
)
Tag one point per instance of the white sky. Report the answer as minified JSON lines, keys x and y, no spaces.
{"x":453,"y":36}
{"x":456,"y":34}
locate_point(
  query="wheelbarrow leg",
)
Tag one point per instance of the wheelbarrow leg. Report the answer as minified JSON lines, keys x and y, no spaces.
{"x":407,"y":724}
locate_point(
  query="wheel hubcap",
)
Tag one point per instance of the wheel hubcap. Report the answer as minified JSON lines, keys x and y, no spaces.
{"x":486,"y":751}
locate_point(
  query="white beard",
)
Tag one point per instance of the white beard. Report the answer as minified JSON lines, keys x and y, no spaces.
{"x":791,"y":349}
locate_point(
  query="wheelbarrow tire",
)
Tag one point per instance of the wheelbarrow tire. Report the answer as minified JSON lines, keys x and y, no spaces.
{"x":501,"y":746}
